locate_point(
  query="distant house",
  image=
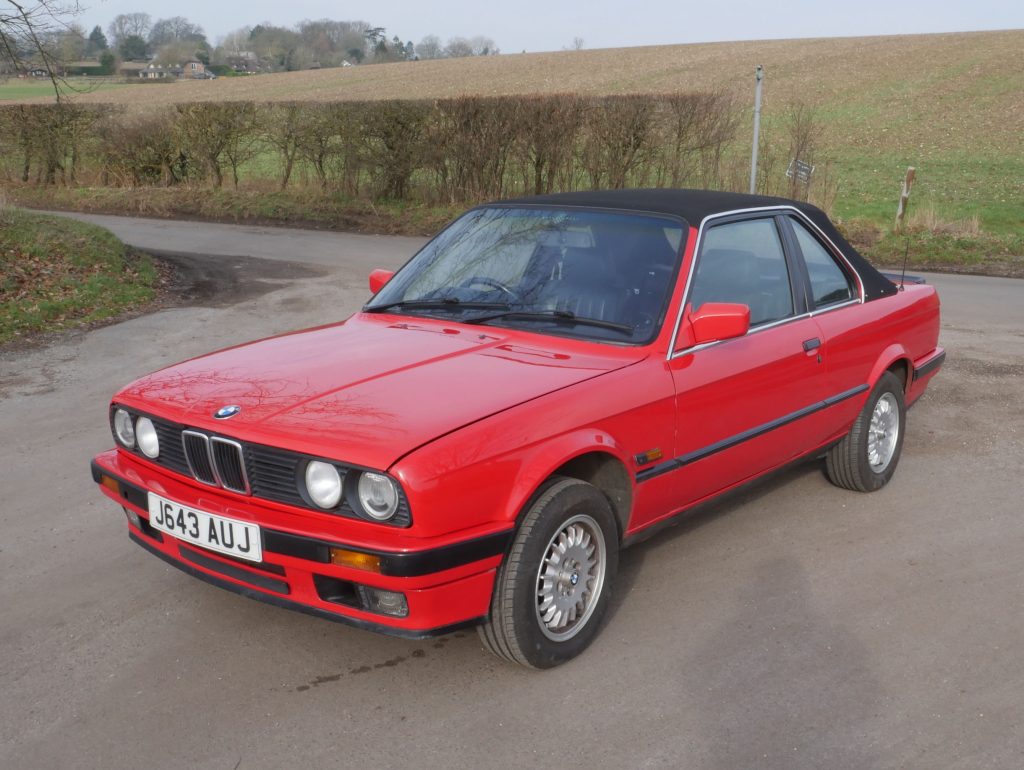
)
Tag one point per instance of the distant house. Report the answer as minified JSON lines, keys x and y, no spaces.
{"x":194,"y":68}
{"x":244,"y":62}
{"x":38,"y":72}
{"x":158,"y":72}
{"x":131,"y":69}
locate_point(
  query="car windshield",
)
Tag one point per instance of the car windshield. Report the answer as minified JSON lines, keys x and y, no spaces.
{"x":588,"y":274}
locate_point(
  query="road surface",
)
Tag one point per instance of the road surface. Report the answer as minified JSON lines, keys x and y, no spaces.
{"x":796,"y":626}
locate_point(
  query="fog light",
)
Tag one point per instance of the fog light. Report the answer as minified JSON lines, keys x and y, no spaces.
{"x":384,"y":602}
{"x":133,"y":517}
{"x":356,"y":559}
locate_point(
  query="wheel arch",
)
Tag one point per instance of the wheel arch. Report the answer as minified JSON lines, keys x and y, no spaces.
{"x":593,"y":457}
{"x":897,"y":360}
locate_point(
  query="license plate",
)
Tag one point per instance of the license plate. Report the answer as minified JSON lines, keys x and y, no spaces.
{"x":218,"y":533}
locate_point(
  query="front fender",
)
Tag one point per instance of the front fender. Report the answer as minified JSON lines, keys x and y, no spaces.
{"x":548,"y":457}
{"x":482,"y":475}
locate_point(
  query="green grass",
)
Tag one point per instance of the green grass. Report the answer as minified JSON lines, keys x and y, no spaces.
{"x":17,"y":89}
{"x":955,"y":185}
{"x":297,"y":206}
{"x":56,"y":273}
{"x":976,"y":253}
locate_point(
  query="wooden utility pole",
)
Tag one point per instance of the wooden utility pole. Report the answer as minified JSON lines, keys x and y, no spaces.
{"x":901,"y":211}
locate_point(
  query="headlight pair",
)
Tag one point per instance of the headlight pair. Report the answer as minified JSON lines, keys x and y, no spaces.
{"x":375,"y":494}
{"x":136,"y":432}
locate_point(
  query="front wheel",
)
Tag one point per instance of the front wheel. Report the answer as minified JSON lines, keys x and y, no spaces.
{"x":867,"y":456}
{"x":553,"y":589}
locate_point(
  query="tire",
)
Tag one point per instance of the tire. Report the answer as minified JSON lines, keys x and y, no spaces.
{"x":541,"y":623}
{"x":864,"y":462}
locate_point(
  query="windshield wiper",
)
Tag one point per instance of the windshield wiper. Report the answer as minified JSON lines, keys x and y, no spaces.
{"x":448,"y":303}
{"x":558,"y":316}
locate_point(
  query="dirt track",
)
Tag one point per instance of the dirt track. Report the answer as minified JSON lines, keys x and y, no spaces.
{"x":794,"y":626}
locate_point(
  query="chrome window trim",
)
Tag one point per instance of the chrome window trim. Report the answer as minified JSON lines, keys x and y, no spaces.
{"x":830,"y":308}
{"x":804,"y":219}
{"x":836,"y":254}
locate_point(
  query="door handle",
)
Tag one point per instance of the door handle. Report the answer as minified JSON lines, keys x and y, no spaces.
{"x":812,"y":344}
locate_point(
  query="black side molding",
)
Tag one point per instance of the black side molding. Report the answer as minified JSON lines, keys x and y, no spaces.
{"x":392,"y":563}
{"x":739,"y":438}
{"x":930,"y":366}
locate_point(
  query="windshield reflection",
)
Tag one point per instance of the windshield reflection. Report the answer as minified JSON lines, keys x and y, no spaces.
{"x":586,"y":274}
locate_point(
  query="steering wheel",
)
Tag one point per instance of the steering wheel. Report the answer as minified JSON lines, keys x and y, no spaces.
{"x":483,"y":280}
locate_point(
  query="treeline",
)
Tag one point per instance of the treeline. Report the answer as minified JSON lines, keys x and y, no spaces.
{"x":58,"y":41}
{"x":452,"y":150}
{"x":268,"y":47}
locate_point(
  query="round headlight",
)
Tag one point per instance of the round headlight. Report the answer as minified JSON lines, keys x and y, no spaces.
{"x":123,"y":428}
{"x":145,"y":434}
{"x":323,"y":484}
{"x":378,"y":495}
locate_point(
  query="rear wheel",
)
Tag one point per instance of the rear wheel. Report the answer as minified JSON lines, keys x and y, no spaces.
{"x":553,"y":589}
{"x":867,"y":456}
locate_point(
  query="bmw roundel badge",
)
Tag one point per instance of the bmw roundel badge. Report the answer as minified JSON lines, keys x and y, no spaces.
{"x":227,"y":411}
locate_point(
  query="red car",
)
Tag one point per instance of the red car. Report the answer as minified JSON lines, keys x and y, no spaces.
{"x":545,"y":382}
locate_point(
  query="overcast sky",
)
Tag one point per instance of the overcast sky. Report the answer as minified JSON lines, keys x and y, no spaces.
{"x":549,"y":25}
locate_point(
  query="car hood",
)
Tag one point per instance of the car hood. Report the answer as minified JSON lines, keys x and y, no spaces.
{"x":371,"y":389}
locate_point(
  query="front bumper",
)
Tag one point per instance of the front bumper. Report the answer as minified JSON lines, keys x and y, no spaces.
{"x":447,"y":584}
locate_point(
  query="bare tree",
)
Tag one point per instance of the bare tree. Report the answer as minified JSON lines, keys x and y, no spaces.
{"x":282,"y":127}
{"x":483,"y":46}
{"x":129,"y":25}
{"x":177,"y":29}
{"x":26,"y":26}
{"x":804,"y":130}
{"x":458,"y":48}
{"x":430,"y":48}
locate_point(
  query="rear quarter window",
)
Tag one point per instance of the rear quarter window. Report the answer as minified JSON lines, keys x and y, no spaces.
{"x":830,"y":284}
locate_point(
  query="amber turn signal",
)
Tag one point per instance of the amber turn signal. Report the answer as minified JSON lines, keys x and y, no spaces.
{"x":649,"y":456}
{"x":355,"y":559}
{"x":111,"y":484}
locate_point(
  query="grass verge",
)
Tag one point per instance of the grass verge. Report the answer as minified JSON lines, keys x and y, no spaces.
{"x":299,"y":207}
{"x":940,"y":247}
{"x":56,"y":273}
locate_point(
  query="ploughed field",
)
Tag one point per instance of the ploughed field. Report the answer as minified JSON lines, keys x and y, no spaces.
{"x":961,"y":91}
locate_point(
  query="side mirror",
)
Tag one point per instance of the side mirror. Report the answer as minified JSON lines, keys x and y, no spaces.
{"x":378,"y":278}
{"x":719,"y":321}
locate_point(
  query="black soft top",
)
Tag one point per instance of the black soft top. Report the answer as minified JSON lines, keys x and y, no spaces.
{"x":695,"y":205}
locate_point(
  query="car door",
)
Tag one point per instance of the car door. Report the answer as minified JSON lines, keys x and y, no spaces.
{"x":849,"y":346}
{"x":747,"y":404}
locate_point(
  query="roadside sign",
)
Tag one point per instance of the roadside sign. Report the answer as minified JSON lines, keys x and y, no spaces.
{"x":800,"y":170}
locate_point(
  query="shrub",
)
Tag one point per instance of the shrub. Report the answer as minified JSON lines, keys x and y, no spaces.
{"x":461,"y":150}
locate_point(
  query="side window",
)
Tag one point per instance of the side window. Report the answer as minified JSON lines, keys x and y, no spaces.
{"x":743,"y":262}
{"x":829,"y":283}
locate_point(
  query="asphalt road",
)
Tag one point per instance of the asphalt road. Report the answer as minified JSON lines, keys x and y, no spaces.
{"x":795,"y":626}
